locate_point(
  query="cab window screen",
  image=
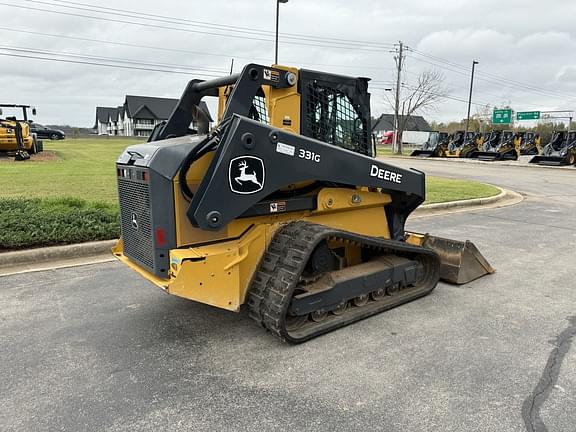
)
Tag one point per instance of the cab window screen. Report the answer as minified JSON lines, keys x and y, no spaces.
{"x":331,"y":117}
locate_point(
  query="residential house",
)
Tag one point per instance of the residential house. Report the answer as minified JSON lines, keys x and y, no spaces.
{"x":138,"y":116}
{"x":385,"y":123}
{"x":416,"y":132}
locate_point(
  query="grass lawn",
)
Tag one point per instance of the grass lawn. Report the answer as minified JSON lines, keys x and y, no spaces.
{"x":439,"y":189}
{"x":68,"y":194}
{"x":84,"y":168}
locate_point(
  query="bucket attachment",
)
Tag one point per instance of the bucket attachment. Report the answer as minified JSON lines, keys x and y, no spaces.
{"x":423,"y":153}
{"x":486,"y":156}
{"x":460,"y":261}
{"x":549,"y":160}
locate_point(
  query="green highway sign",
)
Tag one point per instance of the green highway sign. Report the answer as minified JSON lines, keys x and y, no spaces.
{"x":502,"y":116}
{"x":528,"y":115}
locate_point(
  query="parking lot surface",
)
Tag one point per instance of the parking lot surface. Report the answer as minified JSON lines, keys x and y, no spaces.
{"x":97,"y":348}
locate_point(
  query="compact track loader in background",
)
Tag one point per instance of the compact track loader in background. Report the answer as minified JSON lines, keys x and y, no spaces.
{"x":460,"y":145}
{"x":15,"y":135}
{"x":499,"y":146}
{"x":463,"y":145}
{"x":431,"y":146}
{"x":561,"y":150}
{"x":282,"y":207}
{"x":531,"y":144}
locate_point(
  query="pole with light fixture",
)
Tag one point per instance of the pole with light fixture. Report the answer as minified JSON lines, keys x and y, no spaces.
{"x":474,"y":63}
{"x":277,"y":21}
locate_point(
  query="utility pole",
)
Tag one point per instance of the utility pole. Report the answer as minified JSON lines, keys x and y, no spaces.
{"x":277,"y":23}
{"x":474,"y":63}
{"x":397,"y":145}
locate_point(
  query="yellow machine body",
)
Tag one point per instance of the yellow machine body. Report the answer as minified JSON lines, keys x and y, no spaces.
{"x":8,"y":141}
{"x":219,"y":273}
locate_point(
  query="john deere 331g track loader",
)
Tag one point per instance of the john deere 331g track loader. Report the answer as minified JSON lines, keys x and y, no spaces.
{"x":282,"y":207}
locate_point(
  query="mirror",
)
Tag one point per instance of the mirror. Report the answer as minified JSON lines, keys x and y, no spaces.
{"x":33,"y":111}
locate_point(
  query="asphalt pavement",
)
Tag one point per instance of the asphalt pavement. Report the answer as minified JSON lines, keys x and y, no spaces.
{"x":97,"y":348}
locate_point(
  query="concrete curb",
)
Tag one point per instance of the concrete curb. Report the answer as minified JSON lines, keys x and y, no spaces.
{"x":99,"y":251}
{"x":53,"y":253}
{"x":517,"y":164}
{"x":465,"y":203}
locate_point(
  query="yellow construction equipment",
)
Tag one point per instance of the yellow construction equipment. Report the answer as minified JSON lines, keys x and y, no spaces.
{"x":15,"y":135}
{"x":561,"y":150}
{"x":499,"y":145}
{"x":433,"y":145}
{"x":531,"y":144}
{"x":282,"y":207}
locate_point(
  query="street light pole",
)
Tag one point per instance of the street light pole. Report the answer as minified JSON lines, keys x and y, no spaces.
{"x":474,"y":63}
{"x":277,"y":22}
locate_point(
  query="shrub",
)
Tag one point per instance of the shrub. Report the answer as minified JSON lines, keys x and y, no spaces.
{"x":35,"y":222}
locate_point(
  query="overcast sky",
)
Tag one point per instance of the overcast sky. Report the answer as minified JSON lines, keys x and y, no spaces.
{"x":526,"y":50}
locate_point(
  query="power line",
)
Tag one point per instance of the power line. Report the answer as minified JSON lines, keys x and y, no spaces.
{"x":187,"y":30}
{"x":176,"y":50}
{"x":155,"y":17}
{"x":130,"y":64}
{"x":492,"y":78}
{"x":499,"y":82}
{"x":440,"y":95}
{"x":113,"y":59}
{"x":48,"y":57}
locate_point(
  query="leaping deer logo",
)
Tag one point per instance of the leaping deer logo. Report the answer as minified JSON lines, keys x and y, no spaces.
{"x":246,"y":177}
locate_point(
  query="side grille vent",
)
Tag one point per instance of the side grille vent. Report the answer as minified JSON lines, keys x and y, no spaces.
{"x":135,"y":213}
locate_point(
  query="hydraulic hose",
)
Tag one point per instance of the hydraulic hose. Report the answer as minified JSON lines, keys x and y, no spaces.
{"x":207,"y":144}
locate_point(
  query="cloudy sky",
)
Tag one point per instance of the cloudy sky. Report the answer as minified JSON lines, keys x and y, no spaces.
{"x":525,"y":52}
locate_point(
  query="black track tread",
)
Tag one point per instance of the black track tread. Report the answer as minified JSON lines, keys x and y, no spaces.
{"x":283,"y":262}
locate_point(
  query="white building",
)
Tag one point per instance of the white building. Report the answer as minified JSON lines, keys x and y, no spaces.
{"x":137,"y":117}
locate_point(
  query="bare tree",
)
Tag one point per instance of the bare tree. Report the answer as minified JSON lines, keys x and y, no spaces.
{"x":422,"y":97}
{"x":482,"y":119}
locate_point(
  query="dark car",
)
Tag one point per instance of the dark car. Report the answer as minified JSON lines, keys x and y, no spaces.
{"x":47,"y":133}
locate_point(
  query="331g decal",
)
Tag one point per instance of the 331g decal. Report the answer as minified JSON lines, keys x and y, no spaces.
{"x":308,"y":155}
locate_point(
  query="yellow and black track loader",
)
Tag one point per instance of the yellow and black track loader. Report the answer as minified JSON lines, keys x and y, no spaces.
{"x":15,"y":135}
{"x":561,"y":150}
{"x":460,"y":145}
{"x":282,"y":207}
{"x":531,"y":144}
{"x":432,"y":145}
{"x":499,"y":145}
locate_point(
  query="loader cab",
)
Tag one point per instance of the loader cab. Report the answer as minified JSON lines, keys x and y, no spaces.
{"x":17,"y":112}
{"x":507,"y":136}
{"x":557,"y":140}
{"x":327,"y":107}
{"x":470,"y":136}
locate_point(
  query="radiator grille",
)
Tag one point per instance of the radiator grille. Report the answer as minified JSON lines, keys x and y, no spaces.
{"x":136,"y":221}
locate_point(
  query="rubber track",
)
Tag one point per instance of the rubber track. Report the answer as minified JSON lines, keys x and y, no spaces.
{"x":283,"y":262}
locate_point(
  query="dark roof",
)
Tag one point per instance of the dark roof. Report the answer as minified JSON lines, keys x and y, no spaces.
{"x":104,"y":113}
{"x":144,"y":113}
{"x":154,"y":108}
{"x":386,"y":123}
{"x":161,"y":108}
{"x":143,"y":107}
